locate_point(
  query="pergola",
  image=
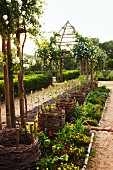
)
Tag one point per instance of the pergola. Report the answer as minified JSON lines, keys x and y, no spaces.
{"x":65,"y":42}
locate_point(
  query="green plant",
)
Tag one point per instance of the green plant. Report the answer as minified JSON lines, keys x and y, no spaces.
{"x":66,"y":149}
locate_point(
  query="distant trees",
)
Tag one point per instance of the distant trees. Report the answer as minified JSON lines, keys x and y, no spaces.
{"x":108,"y":48}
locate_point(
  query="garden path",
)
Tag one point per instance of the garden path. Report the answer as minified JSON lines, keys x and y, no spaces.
{"x":102,"y":157}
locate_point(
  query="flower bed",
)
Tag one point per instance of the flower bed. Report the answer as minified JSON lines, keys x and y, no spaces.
{"x":68,"y":148}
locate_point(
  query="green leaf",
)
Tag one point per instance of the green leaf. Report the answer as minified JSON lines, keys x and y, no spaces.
{"x":66,"y":157}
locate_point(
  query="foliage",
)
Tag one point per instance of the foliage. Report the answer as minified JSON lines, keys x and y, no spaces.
{"x":83,"y":48}
{"x":108,"y":47}
{"x":91,"y":111}
{"x":31,"y":82}
{"x":65,"y":149}
{"x":105,"y":75}
{"x":69,"y":64}
{"x":36,"y":81}
{"x":70,"y":74}
{"x":109,"y":64}
{"x":20,"y":14}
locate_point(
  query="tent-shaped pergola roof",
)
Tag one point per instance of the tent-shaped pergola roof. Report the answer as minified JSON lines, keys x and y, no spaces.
{"x":65,"y":42}
{"x":67,"y":37}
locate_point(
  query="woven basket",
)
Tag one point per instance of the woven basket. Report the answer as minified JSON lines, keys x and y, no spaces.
{"x":78,"y":96}
{"x":53,"y":119}
{"x":23,"y":157}
{"x":69,"y":105}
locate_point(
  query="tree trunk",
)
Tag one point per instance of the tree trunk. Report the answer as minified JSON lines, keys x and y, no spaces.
{"x":61,"y":68}
{"x":91,"y":71}
{"x":80,"y":66}
{"x":0,"y":116}
{"x":20,"y":82}
{"x":6,"y":86}
{"x":86,"y":67}
{"x":11,"y":85}
{"x":56,"y":71}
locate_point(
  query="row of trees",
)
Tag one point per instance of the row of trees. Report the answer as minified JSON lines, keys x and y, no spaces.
{"x":16,"y":18}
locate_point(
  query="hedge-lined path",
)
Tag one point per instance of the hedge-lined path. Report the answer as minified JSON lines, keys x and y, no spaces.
{"x":102,"y":158}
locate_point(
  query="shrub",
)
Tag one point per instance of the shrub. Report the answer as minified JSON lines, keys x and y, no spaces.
{"x":32,"y":82}
{"x":70,"y":74}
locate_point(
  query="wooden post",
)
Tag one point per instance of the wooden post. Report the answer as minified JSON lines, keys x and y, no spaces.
{"x":20,"y":82}
{"x":6,"y":85}
{"x":61,"y":67}
{"x":35,"y":129}
{"x":11,"y":84}
{"x":25,"y":124}
{"x":17,"y":138}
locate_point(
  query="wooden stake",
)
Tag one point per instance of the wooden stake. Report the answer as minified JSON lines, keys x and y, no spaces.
{"x":17,"y":138}
{"x":25,"y":124}
{"x":35,"y":129}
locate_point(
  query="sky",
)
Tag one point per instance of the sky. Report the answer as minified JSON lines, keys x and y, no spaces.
{"x":91,"y":18}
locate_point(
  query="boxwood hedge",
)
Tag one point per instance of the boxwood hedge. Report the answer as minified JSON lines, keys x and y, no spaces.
{"x":32,"y":82}
{"x":70,"y":74}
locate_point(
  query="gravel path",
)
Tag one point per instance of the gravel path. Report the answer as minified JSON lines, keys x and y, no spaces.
{"x":103,"y":143}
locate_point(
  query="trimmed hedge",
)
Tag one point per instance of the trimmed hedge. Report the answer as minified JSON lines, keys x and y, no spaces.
{"x":70,"y":74}
{"x":32,"y":82}
{"x":37,"y":81}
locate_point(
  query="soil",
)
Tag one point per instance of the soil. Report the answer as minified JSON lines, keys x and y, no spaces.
{"x":102,"y":158}
{"x":102,"y":152}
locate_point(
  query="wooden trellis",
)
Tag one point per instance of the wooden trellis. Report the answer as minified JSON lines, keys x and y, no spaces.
{"x":65,"y":42}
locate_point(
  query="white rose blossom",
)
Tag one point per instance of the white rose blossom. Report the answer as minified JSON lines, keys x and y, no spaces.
{"x":23,"y":12}
{"x":26,"y":66}
{"x":5,"y":17}
{"x":16,"y":60}
{"x":7,"y":22}
{"x":19,"y":2}
{"x":8,"y":1}
{"x":33,"y":62}
{"x":29,"y":60}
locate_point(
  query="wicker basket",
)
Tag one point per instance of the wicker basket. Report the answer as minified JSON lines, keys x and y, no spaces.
{"x":78,"y":96}
{"x":52,"y":119}
{"x":23,"y":157}
{"x":69,"y":105}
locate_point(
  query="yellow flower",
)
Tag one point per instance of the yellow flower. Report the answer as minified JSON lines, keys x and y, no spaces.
{"x":71,"y":126}
{"x":59,"y":168}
